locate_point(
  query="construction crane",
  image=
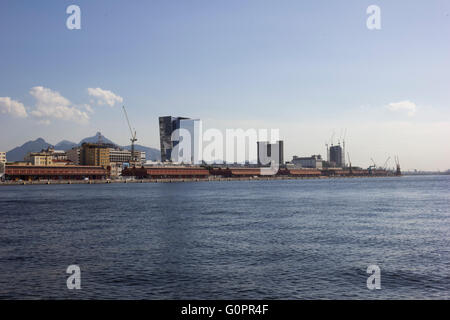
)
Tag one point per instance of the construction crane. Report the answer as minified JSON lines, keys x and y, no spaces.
{"x":398,"y":172}
{"x":374,"y":167}
{"x":349,"y":163}
{"x":386,"y":162}
{"x":343,"y":146}
{"x":133,"y":136}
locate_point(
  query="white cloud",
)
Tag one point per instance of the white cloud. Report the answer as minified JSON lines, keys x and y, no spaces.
{"x":88,"y":108}
{"x":12,"y":107}
{"x":104,"y":97}
{"x":406,"y":105}
{"x":50,"y":104}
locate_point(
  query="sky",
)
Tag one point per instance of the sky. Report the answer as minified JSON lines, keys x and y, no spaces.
{"x":307,"y":68}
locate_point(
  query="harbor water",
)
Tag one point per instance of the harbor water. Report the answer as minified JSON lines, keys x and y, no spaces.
{"x":280,"y":239}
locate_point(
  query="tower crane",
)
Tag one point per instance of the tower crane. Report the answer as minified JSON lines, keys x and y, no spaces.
{"x":398,"y":172}
{"x":386,"y":162}
{"x":374,"y":166}
{"x":133,"y":136}
{"x":349,"y":163}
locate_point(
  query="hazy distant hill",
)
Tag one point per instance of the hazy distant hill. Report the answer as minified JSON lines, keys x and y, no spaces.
{"x":150,"y":153}
{"x":18,"y":153}
{"x":65,"y":145}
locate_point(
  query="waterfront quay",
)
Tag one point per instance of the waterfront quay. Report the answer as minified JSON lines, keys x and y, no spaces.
{"x":172,"y":180}
{"x":21,"y":175}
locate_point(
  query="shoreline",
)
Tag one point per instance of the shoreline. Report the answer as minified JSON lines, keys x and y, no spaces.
{"x":175,"y":180}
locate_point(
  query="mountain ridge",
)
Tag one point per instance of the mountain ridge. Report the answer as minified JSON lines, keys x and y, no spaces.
{"x":18,"y":153}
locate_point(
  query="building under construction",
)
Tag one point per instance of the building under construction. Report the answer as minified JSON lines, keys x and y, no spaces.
{"x":337,"y":157}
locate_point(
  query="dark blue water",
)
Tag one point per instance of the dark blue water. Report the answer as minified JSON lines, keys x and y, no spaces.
{"x":297,"y":239}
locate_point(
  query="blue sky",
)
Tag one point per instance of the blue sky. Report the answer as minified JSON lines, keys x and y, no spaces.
{"x":305,"y":67}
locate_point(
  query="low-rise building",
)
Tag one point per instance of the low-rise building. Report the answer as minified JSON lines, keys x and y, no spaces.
{"x":42,"y":158}
{"x":120,"y":158}
{"x":142,"y":156}
{"x":314,"y":162}
{"x":167,"y":172}
{"x":46,"y":157}
{"x":118,"y":155}
{"x":115,"y":169}
{"x":54,"y":172}
{"x":59,"y":155}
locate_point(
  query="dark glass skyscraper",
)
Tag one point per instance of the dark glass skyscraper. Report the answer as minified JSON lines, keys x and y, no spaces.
{"x":337,"y":156}
{"x":167,"y":125}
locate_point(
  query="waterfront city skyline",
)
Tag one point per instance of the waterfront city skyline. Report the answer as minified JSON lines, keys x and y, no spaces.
{"x":307,"y":69}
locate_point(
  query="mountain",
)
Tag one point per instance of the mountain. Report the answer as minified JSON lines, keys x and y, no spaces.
{"x":65,"y":145}
{"x":150,"y":153}
{"x":18,"y":153}
{"x":94,"y":139}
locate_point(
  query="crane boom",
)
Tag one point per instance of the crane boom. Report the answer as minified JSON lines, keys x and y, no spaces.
{"x":133,"y":135}
{"x":128,"y":121}
{"x":386,"y":162}
{"x":349,"y":164}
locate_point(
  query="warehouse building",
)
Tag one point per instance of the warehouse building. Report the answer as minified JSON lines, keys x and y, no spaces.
{"x":26,"y":173}
{"x":313,"y":162}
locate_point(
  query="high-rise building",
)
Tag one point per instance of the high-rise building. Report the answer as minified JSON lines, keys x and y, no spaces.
{"x":337,"y":156}
{"x":268,"y":148}
{"x":2,"y":163}
{"x":168,"y":126}
{"x":94,"y":154}
{"x":74,"y":155}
